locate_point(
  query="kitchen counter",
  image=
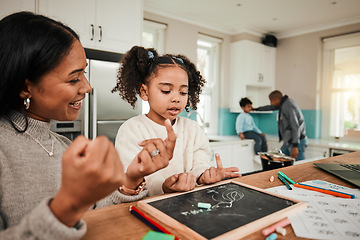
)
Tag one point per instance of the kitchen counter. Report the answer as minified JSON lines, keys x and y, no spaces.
{"x":336,"y":144}
{"x":221,"y":140}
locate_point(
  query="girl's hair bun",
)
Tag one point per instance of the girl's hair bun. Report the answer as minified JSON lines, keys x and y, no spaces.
{"x":144,"y":58}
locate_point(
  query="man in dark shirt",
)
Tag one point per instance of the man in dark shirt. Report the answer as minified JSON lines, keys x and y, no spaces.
{"x":291,"y":124}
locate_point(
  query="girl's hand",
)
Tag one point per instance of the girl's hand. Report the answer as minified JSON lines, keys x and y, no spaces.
{"x":213,"y":175}
{"x":91,"y":170}
{"x":145,"y":164}
{"x":179,"y":183}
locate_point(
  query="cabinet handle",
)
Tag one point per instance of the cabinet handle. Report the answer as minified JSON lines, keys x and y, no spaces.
{"x":212,"y":155}
{"x":100,"y":29}
{"x":261,"y":77}
{"x":92,"y":32}
{"x":244,"y":145}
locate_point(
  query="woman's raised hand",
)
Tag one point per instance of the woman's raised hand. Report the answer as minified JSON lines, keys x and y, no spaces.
{"x":91,"y":170}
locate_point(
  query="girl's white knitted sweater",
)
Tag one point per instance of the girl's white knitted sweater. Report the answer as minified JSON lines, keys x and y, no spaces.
{"x":192,"y":151}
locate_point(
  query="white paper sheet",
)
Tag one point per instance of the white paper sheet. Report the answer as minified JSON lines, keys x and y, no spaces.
{"x":326,"y":217}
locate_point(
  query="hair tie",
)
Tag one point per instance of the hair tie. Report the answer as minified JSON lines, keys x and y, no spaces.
{"x":150,"y":54}
{"x":179,"y":59}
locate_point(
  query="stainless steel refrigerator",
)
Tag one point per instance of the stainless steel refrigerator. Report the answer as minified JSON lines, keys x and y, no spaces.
{"x":102,"y":112}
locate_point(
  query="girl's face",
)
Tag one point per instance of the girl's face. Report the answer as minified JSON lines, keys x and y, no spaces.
{"x":58,"y":94}
{"x":167,"y":94}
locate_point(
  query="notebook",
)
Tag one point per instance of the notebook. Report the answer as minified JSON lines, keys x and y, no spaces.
{"x":347,"y":172}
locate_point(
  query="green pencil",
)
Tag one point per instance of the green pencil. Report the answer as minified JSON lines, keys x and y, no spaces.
{"x":285,"y":182}
{"x":286,"y":177}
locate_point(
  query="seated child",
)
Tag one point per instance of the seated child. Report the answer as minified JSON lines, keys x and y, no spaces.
{"x":246,"y":128}
{"x":169,"y":83}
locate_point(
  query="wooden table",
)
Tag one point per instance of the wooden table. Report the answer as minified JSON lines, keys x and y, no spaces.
{"x":115,"y":222}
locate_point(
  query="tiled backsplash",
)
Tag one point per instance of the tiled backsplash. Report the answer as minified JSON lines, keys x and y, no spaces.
{"x":267,"y":122}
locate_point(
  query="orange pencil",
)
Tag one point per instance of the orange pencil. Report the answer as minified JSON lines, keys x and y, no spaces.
{"x":323,"y":190}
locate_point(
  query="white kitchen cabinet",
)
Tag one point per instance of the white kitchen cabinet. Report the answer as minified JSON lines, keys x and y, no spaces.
{"x":273,"y":144}
{"x":110,"y":25}
{"x":257,"y":62}
{"x":252,"y":73}
{"x":316,"y":152}
{"x":242,"y":157}
{"x":225,"y":152}
{"x":238,"y":154}
{"x":9,"y":7}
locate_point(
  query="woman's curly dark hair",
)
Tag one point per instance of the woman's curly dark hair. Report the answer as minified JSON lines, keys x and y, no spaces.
{"x":139,"y":63}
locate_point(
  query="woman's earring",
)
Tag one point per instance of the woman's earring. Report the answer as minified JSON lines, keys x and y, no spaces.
{"x":27,"y":103}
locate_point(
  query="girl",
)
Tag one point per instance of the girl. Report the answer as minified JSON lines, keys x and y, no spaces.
{"x":169,"y":84}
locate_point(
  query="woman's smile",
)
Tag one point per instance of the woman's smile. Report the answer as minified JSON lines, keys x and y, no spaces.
{"x":76,"y":105}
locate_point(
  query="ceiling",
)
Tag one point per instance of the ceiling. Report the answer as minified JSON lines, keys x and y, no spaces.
{"x":284,"y":18}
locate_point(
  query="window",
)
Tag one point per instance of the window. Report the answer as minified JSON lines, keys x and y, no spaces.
{"x":341,"y":87}
{"x":208,"y":64}
{"x":153,"y":36}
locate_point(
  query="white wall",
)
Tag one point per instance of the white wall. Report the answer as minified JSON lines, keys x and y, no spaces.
{"x":299,"y":65}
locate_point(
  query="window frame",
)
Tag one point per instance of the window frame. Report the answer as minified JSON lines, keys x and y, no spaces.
{"x":329,"y":130}
{"x":211,"y":127}
{"x":158,"y":30}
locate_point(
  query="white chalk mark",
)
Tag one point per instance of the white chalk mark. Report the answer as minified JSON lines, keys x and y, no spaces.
{"x":228,"y":197}
{"x":195,"y":211}
{"x":224,"y":200}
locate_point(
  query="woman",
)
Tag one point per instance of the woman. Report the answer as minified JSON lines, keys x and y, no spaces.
{"x":46,"y":184}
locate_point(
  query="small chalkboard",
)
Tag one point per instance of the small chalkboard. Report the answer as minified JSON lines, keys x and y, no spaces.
{"x":236,"y":210}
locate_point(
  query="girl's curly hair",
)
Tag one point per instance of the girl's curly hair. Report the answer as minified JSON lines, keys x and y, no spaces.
{"x":139,"y":63}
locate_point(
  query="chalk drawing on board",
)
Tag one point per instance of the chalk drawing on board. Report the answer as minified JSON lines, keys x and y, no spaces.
{"x":224,"y":198}
{"x":228,"y":196}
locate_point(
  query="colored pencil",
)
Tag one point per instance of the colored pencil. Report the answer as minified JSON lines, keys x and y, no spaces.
{"x":286,"y":177}
{"x":285,"y":182}
{"x":148,"y":221}
{"x":323,"y":190}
